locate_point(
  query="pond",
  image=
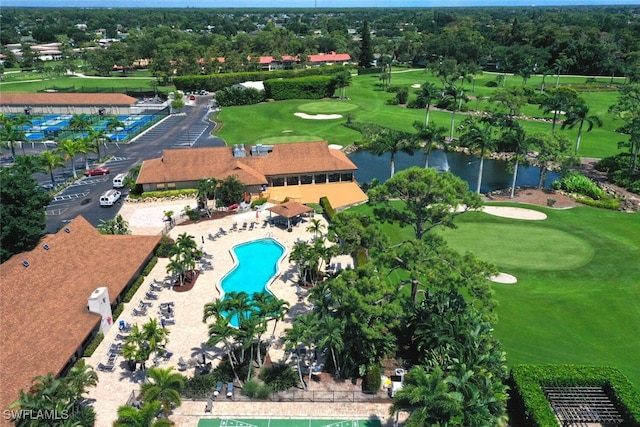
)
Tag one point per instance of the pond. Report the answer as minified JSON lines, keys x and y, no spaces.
{"x":497,"y":174}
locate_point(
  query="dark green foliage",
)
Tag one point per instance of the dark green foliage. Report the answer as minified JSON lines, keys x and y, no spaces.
{"x":256,"y":390}
{"x":258,"y":202}
{"x":117,"y":311}
{"x":528,"y":381}
{"x":279,"y":377}
{"x":152,"y":263}
{"x":403,"y":95}
{"x":328,"y":209}
{"x":617,"y":169}
{"x":312,"y":87}
{"x":234,"y":96}
{"x":22,"y":218}
{"x":164,"y":247}
{"x":199,"y":386}
{"x":365,"y":59}
{"x":93,"y":345}
{"x":230,"y":191}
{"x":216,"y":82}
{"x":372,"y":381}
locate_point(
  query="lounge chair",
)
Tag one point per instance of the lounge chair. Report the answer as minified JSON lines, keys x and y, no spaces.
{"x":339,"y":266}
{"x":137,"y":312}
{"x":207,"y":409}
{"x":218,"y":389}
{"x":332,"y":267}
{"x":213,"y":236}
{"x":144,"y":304}
{"x":182,"y":365}
{"x":155,"y":288}
{"x":265,"y":223}
{"x":167,"y":355}
{"x":244,"y":226}
{"x":151,"y":295}
{"x":235,"y":227}
{"x":230,"y":389}
{"x":164,"y":305}
{"x":222,"y":231}
{"x":252,"y":226}
{"x":121,"y":337}
{"x":106,"y":368}
{"x":170,"y":321}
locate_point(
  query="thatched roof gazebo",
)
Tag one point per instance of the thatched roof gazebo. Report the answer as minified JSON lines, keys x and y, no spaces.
{"x":288,"y":210}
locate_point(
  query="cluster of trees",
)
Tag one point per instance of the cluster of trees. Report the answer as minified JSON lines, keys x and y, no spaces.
{"x":54,"y":402}
{"x":183,"y":257}
{"x":415,"y":299}
{"x":243,"y":339}
{"x":525,"y":41}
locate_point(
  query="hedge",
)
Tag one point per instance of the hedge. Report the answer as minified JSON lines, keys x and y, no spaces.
{"x":328,"y":209}
{"x":216,"y":82}
{"x":527,"y":383}
{"x":312,"y":87}
{"x":93,"y":345}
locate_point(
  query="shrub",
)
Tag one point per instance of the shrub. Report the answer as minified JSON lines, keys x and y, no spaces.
{"x":328,"y":209}
{"x":258,"y":202}
{"x":128,"y":296}
{"x":372,"y":380}
{"x":491,"y":84}
{"x":312,"y":87}
{"x":117,"y":311}
{"x":403,"y":95}
{"x":255,"y":390}
{"x":580,"y":184}
{"x":164,"y":247}
{"x":93,"y":345}
{"x":152,"y":263}
{"x":199,"y":386}
{"x":279,"y":377}
{"x":610,"y":203}
{"x":166,"y":194}
{"x":234,"y":96}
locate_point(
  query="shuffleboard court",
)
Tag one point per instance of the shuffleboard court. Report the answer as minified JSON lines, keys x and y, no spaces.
{"x":274,"y":422}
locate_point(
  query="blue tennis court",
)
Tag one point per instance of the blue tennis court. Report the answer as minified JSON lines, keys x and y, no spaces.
{"x":51,"y":126}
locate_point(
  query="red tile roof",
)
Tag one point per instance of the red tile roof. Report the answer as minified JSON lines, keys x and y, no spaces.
{"x":43,"y":307}
{"x":179,"y":165}
{"x":330,"y":57}
{"x":51,"y":99}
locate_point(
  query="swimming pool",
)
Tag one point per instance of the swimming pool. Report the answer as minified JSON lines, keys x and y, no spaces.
{"x":256,"y":265}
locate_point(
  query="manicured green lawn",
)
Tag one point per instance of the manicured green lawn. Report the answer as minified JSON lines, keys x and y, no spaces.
{"x":577,"y":299}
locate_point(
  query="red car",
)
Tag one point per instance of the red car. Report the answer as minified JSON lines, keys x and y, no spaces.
{"x":97,"y":171}
{"x":192,"y":97}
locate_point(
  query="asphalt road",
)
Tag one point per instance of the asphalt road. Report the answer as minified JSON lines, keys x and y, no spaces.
{"x":189,"y":128}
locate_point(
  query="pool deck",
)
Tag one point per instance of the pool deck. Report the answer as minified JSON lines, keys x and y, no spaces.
{"x":188,"y":336}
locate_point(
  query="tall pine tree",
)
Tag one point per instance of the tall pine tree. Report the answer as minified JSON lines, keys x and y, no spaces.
{"x":366,"y":56}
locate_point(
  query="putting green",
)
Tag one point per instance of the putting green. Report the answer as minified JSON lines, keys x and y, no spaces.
{"x":327,"y":107}
{"x":521,"y":245}
{"x":245,"y":422}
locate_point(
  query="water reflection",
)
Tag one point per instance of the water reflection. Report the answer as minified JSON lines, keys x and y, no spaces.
{"x":497,"y":174}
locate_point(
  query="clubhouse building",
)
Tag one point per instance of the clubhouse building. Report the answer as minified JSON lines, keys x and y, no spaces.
{"x":49,"y":295}
{"x":302,"y":171}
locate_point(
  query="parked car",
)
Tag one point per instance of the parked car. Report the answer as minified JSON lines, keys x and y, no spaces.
{"x":97,"y":171}
{"x":192,"y":97}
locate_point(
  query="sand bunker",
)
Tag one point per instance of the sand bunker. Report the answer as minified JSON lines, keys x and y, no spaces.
{"x":504,"y":278}
{"x":318,"y":116}
{"x":514,"y":213}
{"x":416,"y":85}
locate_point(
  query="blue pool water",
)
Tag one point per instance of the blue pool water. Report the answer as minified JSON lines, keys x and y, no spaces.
{"x":256,"y":265}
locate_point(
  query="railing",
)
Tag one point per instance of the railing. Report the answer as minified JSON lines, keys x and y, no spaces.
{"x":316,"y":396}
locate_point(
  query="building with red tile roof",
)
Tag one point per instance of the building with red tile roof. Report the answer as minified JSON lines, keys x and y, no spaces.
{"x":44,"y":320}
{"x":259,"y":167}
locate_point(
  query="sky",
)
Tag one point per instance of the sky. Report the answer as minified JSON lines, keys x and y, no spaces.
{"x":306,"y":3}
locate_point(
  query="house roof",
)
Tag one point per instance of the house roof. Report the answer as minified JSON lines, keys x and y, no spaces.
{"x":290,"y":209}
{"x":44,"y":318}
{"x":330,"y":57}
{"x":51,"y":99}
{"x":179,"y":165}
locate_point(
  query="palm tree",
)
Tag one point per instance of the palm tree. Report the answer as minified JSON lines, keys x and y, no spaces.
{"x":97,"y":136}
{"x":115,"y":226}
{"x":427,"y":398}
{"x":428,"y":93}
{"x":154,"y":334}
{"x":556,"y":101}
{"x":342,"y":80}
{"x":456,"y":97}
{"x":478,"y":134}
{"x":10,"y":133}
{"x":85,"y":147}
{"x":315,"y":227}
{"x":51,"y":160}
{"x":519,"y":142}
{"x":331,"y":330}
{"x":578,"y":114}
{"x":391,"y":141}
{"x":163,"y":386}
{"x":70,"y":148}
{"x":295,"y":336}
{"x":128,"y":416}
{"x":222,"y":331}
{"x":206,"y":191}
{"x":79,"y":123}
{"x":115,"y":125}
{"x":80,"y":377}
{"x":431,"y":135}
